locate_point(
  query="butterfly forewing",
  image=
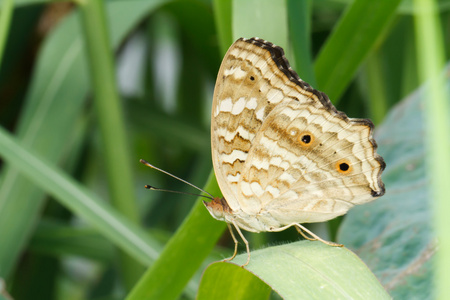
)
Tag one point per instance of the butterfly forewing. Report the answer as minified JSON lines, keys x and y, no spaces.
{"x":281,"y":147}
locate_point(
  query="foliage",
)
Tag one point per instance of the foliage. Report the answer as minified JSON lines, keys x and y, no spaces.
{"x":75,"y":220}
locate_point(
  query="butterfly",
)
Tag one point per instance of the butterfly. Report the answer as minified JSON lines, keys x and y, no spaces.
{"x":282,"y":153}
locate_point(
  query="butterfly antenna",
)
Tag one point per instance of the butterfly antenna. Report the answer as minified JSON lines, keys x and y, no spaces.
{"x":171,"y":175}
{"x":149,"y":187}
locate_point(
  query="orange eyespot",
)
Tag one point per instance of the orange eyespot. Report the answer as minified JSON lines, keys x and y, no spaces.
{"x":343,"y":166}
{"x":306,"y":139}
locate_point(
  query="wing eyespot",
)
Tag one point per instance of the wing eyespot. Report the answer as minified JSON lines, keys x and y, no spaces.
{"x":251,"y":78}
{"x":343,"y":166}
{"x":306,"y":139}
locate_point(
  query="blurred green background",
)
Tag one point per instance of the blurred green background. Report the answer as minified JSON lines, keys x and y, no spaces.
{"x":87,"y":88}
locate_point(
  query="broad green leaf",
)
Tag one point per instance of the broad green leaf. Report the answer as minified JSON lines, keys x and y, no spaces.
{"x":230,"y":281}
{"x":393,"y":234}
{"x":300,"y":270}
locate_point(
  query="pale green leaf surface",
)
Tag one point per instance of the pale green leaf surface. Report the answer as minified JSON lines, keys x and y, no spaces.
{"x":230,"y":281}
{"x":300,"y":270}
{"x":393,"y":234}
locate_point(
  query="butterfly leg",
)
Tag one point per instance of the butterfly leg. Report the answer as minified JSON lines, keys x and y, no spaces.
{"x":304,"y":235}
{"x":235,"y":243}
{"x":301,"y":228}
{"x":246,"y":244}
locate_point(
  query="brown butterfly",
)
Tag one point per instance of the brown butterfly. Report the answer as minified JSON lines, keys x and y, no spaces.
{"x":282,"y":154}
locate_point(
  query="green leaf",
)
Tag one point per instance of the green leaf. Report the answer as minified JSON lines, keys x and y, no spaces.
{"x":301,"y":270}
{"x":299,"y":13}
{"x":183,"y":254}
{"x":357,"y":32}
{"x":394,"y":234}
{"x":118,"y":229}
{"x":6,"y":10}
{"x":53,"y":238}
{"x":222,"y":13}
{"x":265,"y":15}
{"x":109,"y":112}
{"x":431,"y":60}
{"x":230,"y":281}
{"x":53,"y":105}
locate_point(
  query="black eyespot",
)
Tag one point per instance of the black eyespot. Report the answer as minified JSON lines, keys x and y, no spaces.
{"x":306,"y":139}
{"x":344,"y":167}
{"x":252,"y":78}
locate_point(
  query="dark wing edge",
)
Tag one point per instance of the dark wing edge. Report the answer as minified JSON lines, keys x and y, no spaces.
{"x":281,"y":61}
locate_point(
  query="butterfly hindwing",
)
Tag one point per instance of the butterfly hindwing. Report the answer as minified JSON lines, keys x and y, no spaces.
{"x":295,"y":167}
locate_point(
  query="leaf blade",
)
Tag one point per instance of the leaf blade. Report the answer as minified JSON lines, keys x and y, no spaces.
{"x":310,"y":270}
{"x":350,"y":42}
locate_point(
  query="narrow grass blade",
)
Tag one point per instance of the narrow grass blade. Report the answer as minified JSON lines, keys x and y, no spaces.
{"x":112,"y":126}
{"x":183,"y":254}
{"x":53,"y":104}
{"x":258,"y":18}
{"x":105,"y":219}
{"x":358,"y":30}
{"x":299,"y":14}
{"x":430,"y":48}
{"x":6,"y":10}
{"x":222,"y":13}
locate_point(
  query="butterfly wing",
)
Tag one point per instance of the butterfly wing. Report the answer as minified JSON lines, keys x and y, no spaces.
{"x":309,"y":164}
{"x":245,"y":93}
{"x":280,"y":147}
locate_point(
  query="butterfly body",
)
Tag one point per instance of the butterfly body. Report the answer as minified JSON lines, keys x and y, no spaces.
{"x":263,"y":220}
{"x":282,"y":153}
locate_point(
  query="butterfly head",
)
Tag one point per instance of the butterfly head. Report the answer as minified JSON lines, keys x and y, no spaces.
{"x":218,"y":208}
